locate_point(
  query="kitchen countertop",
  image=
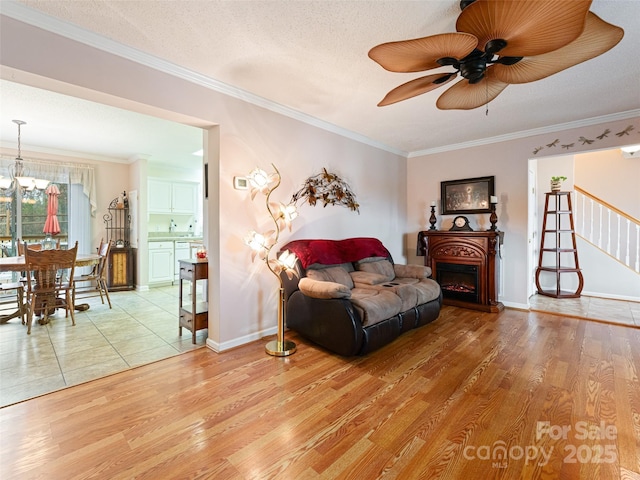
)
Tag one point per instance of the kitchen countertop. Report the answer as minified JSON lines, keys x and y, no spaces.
{"x":174,"y":238}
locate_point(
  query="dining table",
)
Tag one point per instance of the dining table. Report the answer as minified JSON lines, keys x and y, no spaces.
{"x":16,"y":264}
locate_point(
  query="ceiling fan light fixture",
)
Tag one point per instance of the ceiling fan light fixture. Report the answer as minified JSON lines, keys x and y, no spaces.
{"x":516,"y":41}
{"x":494,"y":46}
{"x":465,"y":3}
{"x":597,"y":38}
{"x":529,"y":27}
{"x":416,"y":87}
{"x":473,"y":67}
{"x":467,"y":96}
{"x":448,"y":62}
{"x":421,"y":54}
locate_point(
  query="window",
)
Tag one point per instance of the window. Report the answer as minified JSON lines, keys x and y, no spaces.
{"x":34,"y":213}
{"x":23,"y":215}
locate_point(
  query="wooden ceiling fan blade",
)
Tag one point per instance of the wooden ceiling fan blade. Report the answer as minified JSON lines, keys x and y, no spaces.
{"x":597,"y":38}
{"x":467,"y":96}
{"x":416,"y":87}
{"x":530,"y":27}
{"x":422,"y":54}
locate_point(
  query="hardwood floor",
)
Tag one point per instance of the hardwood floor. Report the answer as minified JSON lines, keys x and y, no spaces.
{"x":471,"y":396}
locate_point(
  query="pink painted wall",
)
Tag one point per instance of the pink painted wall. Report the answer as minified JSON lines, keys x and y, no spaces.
{"x":508,"y":162}
{"x":611,"y":176}
{"x":243,"y":294}
{"x":393,"y":191}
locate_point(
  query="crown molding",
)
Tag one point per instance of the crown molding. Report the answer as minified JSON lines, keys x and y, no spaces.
{"x":22,"y":13}
{"x":529,"y":133}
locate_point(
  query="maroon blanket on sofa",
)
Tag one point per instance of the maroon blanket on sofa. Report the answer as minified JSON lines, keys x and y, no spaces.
{"x":333,"y":252}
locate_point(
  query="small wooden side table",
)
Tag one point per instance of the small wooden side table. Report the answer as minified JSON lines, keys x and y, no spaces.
{"x":193,"y":316}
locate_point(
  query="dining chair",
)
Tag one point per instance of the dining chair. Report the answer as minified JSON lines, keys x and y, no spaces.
{"x":31,"y":246}
{"x":11,"y":294}
{"x":96,"y":278}
{"x":34,"y":246}
{"x":51,"y":284}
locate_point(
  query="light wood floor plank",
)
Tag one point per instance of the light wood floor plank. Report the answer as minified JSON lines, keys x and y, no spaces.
{"x":438,"y":403}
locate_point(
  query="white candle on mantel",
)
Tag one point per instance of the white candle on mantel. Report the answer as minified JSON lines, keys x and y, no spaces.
{"x":494,"y":199}
{"x":433,"y":203}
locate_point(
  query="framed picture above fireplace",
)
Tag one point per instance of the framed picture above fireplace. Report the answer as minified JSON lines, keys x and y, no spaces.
{"x":469,"y":195}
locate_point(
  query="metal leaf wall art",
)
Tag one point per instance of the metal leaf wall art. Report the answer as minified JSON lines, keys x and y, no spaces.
{"x":328,"y":188}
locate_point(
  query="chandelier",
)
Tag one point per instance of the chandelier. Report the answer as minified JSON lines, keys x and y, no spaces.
{"x":19,"y":175}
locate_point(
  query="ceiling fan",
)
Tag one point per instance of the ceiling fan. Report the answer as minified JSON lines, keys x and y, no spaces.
{"x":497,"y":43}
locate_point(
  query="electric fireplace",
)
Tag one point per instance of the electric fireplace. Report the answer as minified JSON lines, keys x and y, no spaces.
{"x":464,"y":263}
{"x":458,"y":281}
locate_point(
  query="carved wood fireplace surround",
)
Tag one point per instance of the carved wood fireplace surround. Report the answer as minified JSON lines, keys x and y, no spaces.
{"x":464,"y":264}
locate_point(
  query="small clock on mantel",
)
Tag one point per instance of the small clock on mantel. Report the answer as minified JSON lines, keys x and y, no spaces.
{"x":461,"y":224}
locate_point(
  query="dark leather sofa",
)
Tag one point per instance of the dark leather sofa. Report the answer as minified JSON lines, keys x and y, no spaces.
{"x":350,"y":298}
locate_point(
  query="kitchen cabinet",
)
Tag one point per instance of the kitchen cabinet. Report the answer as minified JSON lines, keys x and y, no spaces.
{"x":161,"y":263}
{"x":181,"y":251}
{"x":165,"y":196}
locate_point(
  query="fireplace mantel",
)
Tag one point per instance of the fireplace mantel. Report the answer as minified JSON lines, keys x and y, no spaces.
{"x":478,"y":249}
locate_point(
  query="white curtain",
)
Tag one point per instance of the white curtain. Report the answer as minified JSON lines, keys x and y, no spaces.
{"x":59,"y":172}
{"x":80,"y":219}
{"x":82,"y":194}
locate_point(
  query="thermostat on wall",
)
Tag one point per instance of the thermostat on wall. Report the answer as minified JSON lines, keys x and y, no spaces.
{"x":240,"y":183}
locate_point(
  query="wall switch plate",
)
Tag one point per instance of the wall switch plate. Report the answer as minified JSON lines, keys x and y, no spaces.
{"x":240,"y":183}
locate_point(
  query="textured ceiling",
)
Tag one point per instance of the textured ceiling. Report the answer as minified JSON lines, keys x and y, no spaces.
{"x":311,"y":57}
{"x":70,"y":126}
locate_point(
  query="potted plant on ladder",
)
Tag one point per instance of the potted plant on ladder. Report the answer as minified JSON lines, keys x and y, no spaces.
{"x":556,"y":183}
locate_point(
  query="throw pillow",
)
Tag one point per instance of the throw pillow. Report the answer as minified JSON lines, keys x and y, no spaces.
{"x":412,"y":271}
{"x":334,"y":273}
{"x":378,"y":265}
{"x":323,"y":289}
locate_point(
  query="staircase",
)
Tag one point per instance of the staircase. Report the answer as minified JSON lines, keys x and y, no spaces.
{"x":607,"y":228}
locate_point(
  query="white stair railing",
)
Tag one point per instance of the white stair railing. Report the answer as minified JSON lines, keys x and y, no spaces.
{"x":608,"y":228}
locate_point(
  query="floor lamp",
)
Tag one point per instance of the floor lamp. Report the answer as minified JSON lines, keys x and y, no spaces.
{"x":261,"y":244}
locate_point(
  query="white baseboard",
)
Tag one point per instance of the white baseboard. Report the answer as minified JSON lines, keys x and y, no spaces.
{"x":515,"y":305}
{"x":236,"y":342}
{"x":610,"y":296}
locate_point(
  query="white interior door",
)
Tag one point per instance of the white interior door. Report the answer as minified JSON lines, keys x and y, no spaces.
{"x":533,"y":234}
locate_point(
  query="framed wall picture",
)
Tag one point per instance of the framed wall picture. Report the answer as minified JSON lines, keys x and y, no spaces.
{"x":469,"y":195}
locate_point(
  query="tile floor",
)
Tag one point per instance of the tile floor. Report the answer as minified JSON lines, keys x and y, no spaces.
{"x":141,"y":328}
{"x":593,"y":308}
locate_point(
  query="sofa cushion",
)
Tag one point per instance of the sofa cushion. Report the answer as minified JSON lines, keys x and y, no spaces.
{"x":407,"y":294}
{"x":367,"y":278}
{"x":331,"y":273}
{"x":426,"y":288}
{"x":375,"y":305}
{"x":322,"y":289}
{"x":378,"y":265}
{"x":412,"y":271}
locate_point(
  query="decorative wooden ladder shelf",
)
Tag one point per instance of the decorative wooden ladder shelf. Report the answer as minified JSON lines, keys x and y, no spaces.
{"x":559,"y":235}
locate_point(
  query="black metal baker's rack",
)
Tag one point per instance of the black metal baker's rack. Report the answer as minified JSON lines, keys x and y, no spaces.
{"x":118,"y":221}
